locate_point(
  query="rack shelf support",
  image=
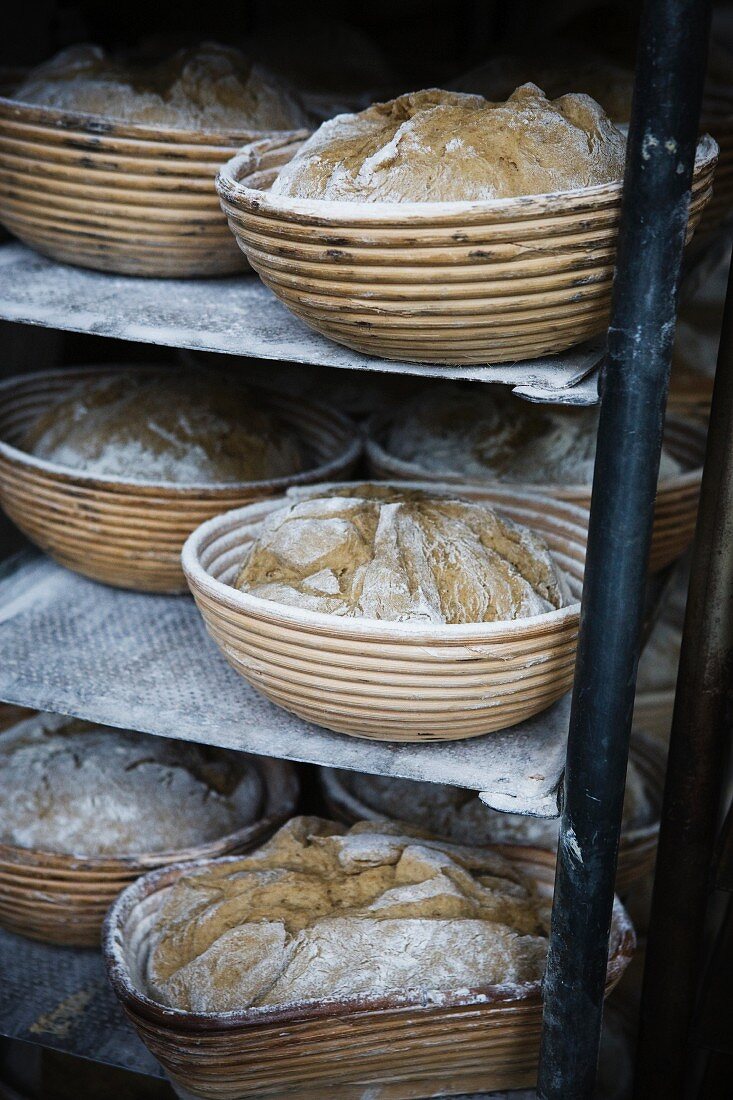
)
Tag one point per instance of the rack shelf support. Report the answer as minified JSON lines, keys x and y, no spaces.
{"x":660,"y":157}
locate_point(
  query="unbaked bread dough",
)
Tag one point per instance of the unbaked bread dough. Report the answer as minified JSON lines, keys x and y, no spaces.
{"x":437,"y":145}
{"x":323,"y":912}
{"x":210,"y":87}
{"x":369,"y":551}
{"x":460,"y":816}
{"x":90,"y":790}
{"x":483,"y":432}
{"x":165,"y":426}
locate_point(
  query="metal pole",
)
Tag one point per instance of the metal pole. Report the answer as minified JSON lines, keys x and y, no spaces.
{"x":695,"y":770}
{"x":659,"y":163}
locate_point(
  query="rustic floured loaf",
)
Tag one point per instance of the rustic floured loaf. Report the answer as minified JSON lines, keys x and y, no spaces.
{"x":322,"y":912}
{"x":437,"y":145}
{"x":374,"y":552}
{"x":484,"y":433}
{"x":165,"y":426}
{"x":95,"y":791}
{"x":209,"y":87}
{"x":460,"y":816}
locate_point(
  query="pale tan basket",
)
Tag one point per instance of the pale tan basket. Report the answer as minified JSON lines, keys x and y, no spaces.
{"x":638,"y":848}
{"x":63,"y":899}
{"x":396,"y":1047}
{"x":130,"y":533}
{"x":653,"y":712}
{"x":675,"y":512}
{"x":392,"y":681}
{"x":444,"y":282}
{"x":119,"y":197}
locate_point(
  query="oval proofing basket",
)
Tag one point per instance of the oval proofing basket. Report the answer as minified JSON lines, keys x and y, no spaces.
{"x":484,"y":1039}
{"x":638,"y":847}
{"x":119,"y":197}
{"x":443,"y":282}
{"x":675,"y":510}
{"x":63,"y":899}
{"x":392,"y":681}
{"x":130,"y":533}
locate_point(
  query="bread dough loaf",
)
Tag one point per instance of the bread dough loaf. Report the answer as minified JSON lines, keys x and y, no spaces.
{"x":460,"y":816}
{"x":94,"y":791}
{"x":372,"y":552}
{"x":167,"y":426}
{"x":210,"y":87}
{"x":568,"y":71}
{"x":436,"y":146}
{"x":323,"y":912}
{"x":484,"y":433}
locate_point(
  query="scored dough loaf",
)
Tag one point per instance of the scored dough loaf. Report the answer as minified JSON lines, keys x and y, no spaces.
{"x":321,"y":912}
{"x":370,"y":551}
{"x":438,"y":145}
{"x":165,"y":426}
{"x":209,"y":87}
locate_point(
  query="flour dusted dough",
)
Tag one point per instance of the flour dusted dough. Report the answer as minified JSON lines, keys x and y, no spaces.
{"x":94,"y":791}
{"x":460,"y":816}
{"x":436,"y":145}
{"x":322,"y":912}
{"x":165,"y":426}
{"x":369,"y":551}
{"x":480,"y":434}
{"x":210,"y":87}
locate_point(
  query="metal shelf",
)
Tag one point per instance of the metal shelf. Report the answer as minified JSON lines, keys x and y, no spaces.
{"x":238,"y":316}
{"x":59,"y":997}
{"x":144,"y":662}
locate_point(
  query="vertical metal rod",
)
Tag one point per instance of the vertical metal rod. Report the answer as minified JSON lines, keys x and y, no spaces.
{"x":695,"y":770}
{"x":659,"y":163}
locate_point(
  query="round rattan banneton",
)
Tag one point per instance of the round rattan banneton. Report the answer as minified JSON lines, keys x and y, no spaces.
{"x":385,"y":680}
{"x":116,"y":196}
{"x":130,"y":533}
{"x":444,"y":282}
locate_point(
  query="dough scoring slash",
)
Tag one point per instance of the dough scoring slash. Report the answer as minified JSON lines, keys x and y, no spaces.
{"x":435,"y":146}
{"x":377,"y":552}
{"x":323,"y":912}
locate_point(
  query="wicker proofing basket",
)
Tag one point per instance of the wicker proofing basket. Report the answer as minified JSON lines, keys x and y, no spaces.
{"x":114,"y":196}
{"x":443,"y":282}
{"x":638,"y":848}
{"x":392,"y":681}
{"x":396,"y":1047}
{"x":675,"y":510}
{"x":130,"y":533}
{"x":64,"y":898}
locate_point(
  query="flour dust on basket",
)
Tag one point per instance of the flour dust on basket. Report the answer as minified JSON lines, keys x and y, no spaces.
{"x":380,"y":552}
{"x":81,"y":789}
{"x":438,"y":146}
{"x":323,"y":912}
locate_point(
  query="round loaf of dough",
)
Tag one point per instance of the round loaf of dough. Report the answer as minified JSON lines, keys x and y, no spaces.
{"x":435,"y":146}
{"x":459,"y":815}
{"x":95,"y":791}
{"x":165,"y":426}
{"x":374,"y":552}
{"x":322,"y":912}
{"x":484,"y":433}
{"x":210,"y":87}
